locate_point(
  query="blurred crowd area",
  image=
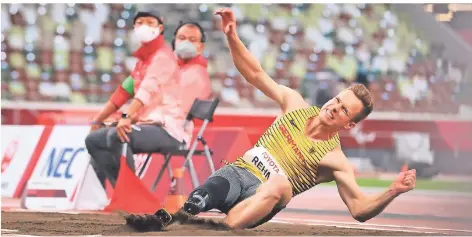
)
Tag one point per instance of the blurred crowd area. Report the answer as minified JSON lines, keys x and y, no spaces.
{"x":79,"y":53}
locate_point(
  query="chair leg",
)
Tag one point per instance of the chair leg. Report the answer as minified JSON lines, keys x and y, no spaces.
{"x":169,"y":171}
{"x":144,"y":165}
{"x":209,"y":159}
{"x":193,"y":173}
{"x":161,"y":172}
{"x":110,"y":178}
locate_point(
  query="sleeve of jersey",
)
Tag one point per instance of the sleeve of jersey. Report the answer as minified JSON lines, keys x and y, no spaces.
{"x":123,"y":92}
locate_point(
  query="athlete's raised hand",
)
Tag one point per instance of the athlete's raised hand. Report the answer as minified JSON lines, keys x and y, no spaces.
{"x":404,"y":182}
{"x":228,"y":20}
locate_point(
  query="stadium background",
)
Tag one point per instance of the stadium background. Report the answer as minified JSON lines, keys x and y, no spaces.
{"x":60,"y":57}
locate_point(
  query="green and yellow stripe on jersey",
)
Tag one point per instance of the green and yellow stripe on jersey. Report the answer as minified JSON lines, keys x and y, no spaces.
{"x":294,"y":152}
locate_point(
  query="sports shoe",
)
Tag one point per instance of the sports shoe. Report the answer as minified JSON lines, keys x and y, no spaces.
{"x":144,"y":223}
{"x":164,"y":216}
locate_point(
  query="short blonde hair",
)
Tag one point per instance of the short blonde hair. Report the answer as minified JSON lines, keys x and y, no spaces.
{"x":363,"y":94}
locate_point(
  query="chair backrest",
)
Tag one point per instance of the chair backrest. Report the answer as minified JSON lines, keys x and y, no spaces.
{"x":203,"y":109}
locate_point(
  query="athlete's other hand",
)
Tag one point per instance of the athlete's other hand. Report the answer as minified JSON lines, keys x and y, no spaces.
{"x":404,"y":182}
{"x":228,"y":20}
{"x":123,"y":128}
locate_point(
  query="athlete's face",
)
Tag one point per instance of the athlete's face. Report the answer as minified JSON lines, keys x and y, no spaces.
{"x":341,"y":110}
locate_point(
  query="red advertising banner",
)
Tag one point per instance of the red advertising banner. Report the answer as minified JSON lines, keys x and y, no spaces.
{"x":445,"y":135}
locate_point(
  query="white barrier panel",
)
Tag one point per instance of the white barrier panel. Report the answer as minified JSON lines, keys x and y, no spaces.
{"x":18,"y":145}
{"x":57,"y":182}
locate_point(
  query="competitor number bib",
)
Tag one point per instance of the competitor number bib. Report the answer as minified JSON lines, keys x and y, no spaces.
{"x":263,"y":161}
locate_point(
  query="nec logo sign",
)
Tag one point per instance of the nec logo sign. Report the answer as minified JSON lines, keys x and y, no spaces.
{"x":60,"y":161}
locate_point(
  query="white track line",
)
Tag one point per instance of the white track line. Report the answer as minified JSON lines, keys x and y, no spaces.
{"x":374,"y":225}
{"x":281,"y":222}
{"x":348,"y":225}
{"x":375,"y":228}
{"x":15,"y":235}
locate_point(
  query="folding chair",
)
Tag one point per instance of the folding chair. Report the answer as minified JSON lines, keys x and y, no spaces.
{"x":203,"y":110}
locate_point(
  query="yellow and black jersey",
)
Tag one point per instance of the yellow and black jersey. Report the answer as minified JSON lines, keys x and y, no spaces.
{"x":297,"y":155}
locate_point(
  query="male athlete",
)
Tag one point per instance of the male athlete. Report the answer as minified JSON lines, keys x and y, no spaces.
{"x":298,"y":151}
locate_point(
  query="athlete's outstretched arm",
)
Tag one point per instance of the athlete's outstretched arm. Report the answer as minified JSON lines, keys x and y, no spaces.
{"x":363,"y":207}
{"x":246,"y":63}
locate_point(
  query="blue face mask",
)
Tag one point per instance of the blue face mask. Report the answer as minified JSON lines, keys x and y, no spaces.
{"x":185,"y":50}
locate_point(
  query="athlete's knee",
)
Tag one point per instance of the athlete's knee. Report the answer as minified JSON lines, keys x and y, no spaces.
{"x":209,"y":195}
{"x":218,"y":188}
{"x":277,"y":188}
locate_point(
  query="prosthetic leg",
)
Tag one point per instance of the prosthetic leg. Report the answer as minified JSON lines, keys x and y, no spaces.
{"x":206,"y":197}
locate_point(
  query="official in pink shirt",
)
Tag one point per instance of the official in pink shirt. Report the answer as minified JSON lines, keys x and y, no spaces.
{"x":188,"y":44}
{"x":156,"y":108}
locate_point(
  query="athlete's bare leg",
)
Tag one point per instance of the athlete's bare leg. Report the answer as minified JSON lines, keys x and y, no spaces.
{"x":276,"y":192}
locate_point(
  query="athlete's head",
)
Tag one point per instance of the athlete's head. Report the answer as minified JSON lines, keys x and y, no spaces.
{"x":347,"y":108}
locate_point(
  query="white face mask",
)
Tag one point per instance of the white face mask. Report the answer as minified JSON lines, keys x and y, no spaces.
{"x":185,"y":50}
{"x":145,"y":33}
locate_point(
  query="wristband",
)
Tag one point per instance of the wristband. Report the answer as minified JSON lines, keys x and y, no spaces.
{"x":125,"y":116}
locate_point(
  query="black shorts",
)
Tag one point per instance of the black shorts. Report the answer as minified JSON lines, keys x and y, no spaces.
{"x":243,"y":184}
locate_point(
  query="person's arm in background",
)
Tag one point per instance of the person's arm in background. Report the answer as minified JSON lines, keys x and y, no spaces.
{"x":161,"y":69}
{"x":119,"y":97}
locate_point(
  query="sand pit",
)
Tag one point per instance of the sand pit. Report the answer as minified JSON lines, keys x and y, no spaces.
{"x":47,"y":224}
